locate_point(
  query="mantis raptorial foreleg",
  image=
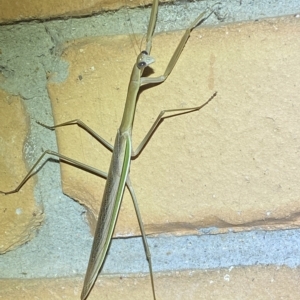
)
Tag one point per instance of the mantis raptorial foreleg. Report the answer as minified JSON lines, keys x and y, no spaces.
{"x":176,"y":54}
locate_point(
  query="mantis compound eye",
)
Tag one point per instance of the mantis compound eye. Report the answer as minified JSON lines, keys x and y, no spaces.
{"x":141,"y":65}
{"x":144,"y":60}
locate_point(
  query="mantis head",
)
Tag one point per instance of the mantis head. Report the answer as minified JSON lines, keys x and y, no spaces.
{"x":144,"y":60}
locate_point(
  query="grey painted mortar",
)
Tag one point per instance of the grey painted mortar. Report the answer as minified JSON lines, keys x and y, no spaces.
{"x":61,"y":248}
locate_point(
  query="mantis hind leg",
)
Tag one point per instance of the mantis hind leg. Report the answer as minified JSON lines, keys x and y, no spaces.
{"x":61,"y":157}
{"x":145,"y":242}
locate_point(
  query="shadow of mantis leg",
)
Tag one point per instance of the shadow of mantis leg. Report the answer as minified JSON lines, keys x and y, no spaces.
{"x":73,"y":162}
{"x":174,"y":112}
{"x":145,"y":242}
{"x":85,"y":127}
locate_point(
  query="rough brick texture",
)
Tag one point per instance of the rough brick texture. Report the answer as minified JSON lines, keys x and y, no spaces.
{"x":232,"y":164}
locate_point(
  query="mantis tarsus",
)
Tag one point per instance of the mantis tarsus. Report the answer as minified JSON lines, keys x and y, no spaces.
{"x":122,"y":153}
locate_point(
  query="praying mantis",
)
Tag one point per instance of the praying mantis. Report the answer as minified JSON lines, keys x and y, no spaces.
{"x":122,"y":153}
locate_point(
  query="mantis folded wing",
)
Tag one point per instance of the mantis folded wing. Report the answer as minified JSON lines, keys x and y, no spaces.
{"x":122,"y":153}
